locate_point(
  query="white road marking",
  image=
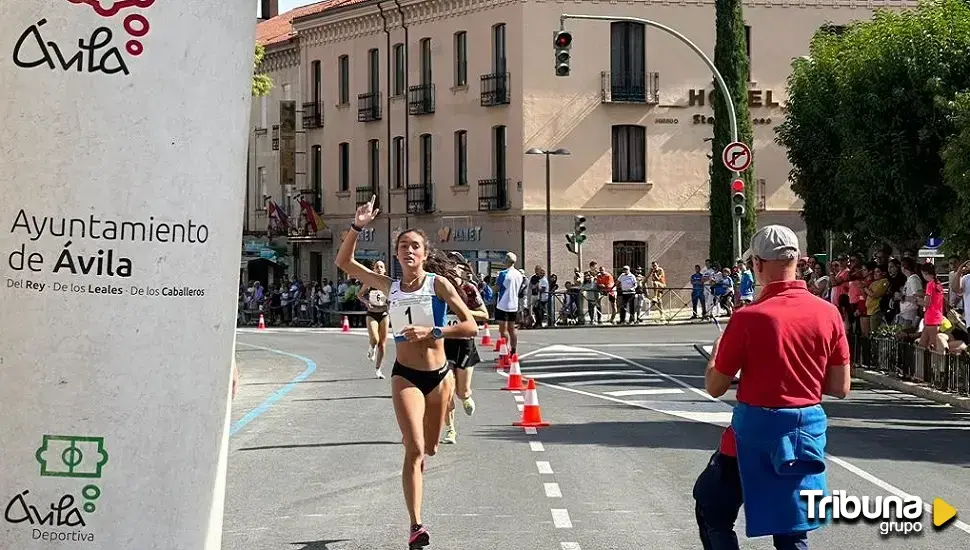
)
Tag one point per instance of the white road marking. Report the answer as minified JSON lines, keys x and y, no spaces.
{"x":519,"y":398}
{"x":543,"y":467}
{"x":520,"y":406}
{"x":570,"y":364}
{"x":536,"y":446}
{"x":651,"y":391}
{"x":569,"y":546}
{"x":531,"y":431}
{"x":586,"y":373}
{"x":646,"y":345}
{"x":560,"y":518}
{"x":615,"y":381}
{"x":552,"y":490}
{"x":841,"y":462}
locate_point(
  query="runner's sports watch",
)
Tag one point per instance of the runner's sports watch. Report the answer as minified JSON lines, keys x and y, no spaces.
{"x":437,"y":333}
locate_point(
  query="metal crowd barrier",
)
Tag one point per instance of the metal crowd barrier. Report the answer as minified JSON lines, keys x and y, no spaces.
{"x":907,"y":361}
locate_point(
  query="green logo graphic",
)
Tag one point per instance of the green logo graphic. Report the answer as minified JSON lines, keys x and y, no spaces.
{"x":72,"y":456}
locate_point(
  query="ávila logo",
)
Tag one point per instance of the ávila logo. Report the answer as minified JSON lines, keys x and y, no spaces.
{"x":98,"y":54}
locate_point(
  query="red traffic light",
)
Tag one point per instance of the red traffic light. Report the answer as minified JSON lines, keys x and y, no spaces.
{"x":737,"y":186}
{"x":563,"y":39}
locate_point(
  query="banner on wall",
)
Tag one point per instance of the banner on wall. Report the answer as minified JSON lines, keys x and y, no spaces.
{"x":124,"y":130}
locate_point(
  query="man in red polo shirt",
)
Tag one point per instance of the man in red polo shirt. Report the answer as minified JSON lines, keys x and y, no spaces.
{"x":792,"y":348}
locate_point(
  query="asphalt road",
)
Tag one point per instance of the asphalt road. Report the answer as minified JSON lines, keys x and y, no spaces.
{"x":315,"y":456}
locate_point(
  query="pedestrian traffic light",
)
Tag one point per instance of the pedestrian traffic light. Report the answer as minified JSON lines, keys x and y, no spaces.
{"x":579,"y":229}
{"x":737,"y":197}
{"x":562,"y":41}
{"x":571,"y":243}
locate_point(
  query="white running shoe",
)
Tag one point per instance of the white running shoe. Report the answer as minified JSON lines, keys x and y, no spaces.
{"x":371,"y":353}
{"x":451,"y":436}
{"x":469,"y":405}
{"x":379,"y":374}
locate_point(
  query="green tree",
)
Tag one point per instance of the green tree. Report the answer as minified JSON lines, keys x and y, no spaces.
{"x":811,"y":137}
{"x":868,"y":118}
{"x":262,"y":83}
{"x":956,"y":163}
{"x":731,"y":60}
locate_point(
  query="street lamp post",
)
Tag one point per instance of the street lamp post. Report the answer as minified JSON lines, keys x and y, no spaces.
{"x":548,"y":153}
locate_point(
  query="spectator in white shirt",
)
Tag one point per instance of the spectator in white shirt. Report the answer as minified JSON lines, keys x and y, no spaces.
{"x":627,"y":283}
{"x":963,"y":287}
{"x":911,"y":293}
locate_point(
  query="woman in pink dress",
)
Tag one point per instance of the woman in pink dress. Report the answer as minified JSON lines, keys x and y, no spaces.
{"x":932,"y":308}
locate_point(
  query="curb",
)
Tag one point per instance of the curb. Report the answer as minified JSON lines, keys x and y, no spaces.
{"x":889,"y":382}
{"x":912,"y":388}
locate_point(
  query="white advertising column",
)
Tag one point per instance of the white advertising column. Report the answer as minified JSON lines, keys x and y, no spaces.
{"x":122,"y":171}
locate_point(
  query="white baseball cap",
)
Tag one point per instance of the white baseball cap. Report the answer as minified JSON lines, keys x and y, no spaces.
{"x":773,"y":243}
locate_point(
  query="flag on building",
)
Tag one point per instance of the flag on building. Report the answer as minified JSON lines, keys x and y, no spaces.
{"x":313,"y":219}
{"x":277,"y":216}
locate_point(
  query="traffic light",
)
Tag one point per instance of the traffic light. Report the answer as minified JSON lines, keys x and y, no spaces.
{"x":571,"y":243}
{"x":562,"y":41}
{"x":737,"y":197}
{"x":579,"y":229}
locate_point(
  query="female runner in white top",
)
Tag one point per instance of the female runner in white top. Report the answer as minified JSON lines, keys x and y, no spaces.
{"x":421,"y":381}
{"x":377,"y":320}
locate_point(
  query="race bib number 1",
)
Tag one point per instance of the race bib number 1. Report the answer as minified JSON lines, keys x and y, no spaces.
{"x":411,"y":310}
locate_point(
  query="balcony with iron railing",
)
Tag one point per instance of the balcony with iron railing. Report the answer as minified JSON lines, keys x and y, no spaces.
{"x":630,"y":87}
{"x":493,"y":194}
{"x":369,"y":107}
{"x":364,"y":194}
{"x":421,"y":198}
{"x":495,"y":89}
{"x":421,"y":99}
{"x":313,"y":115}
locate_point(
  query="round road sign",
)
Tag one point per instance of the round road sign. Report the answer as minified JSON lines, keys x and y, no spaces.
{"x":736,"y":157}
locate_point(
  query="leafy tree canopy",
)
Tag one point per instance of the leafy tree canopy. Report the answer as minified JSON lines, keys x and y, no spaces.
{"x":262,"y":83}
{"x":869,"y":112}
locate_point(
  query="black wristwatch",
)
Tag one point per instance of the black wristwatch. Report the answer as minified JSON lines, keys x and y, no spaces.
{"x":355,"y":228}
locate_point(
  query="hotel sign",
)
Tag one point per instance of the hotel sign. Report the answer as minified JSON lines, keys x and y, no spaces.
{"x":756,"y":98}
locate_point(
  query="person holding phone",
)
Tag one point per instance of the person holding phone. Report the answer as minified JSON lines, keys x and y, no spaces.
{"x":421,"y":379}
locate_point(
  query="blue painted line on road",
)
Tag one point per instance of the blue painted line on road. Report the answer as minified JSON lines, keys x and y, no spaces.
{"x":266,"y":405}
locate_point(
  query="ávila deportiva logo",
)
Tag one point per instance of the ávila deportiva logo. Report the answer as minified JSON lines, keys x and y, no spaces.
{"x":99,"y":53}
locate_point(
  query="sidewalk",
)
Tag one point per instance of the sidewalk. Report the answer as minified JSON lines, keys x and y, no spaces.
{"x":889,"y":382}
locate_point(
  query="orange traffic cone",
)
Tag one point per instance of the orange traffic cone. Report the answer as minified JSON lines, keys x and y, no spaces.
{"x":487,"y":339}
{"x":515,"y":382}
{"x":346,"y":326}
{"x":262,"y":323}
{"x":531,"y":414}
{"x":498,"y":344}
{"x":503,"y":356}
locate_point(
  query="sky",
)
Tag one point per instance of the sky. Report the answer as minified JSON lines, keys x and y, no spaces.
{"x":287,"y":5}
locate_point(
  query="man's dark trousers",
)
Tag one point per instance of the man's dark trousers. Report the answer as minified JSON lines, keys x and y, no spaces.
{"x":718,"y":499}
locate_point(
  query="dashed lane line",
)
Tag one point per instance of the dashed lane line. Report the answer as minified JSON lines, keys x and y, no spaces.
{"x":536,"y":446}
{"x":544,"y":467}
{"x":560,"y":518}
{"x":569,"y":546}
{"x":552,"y":490}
